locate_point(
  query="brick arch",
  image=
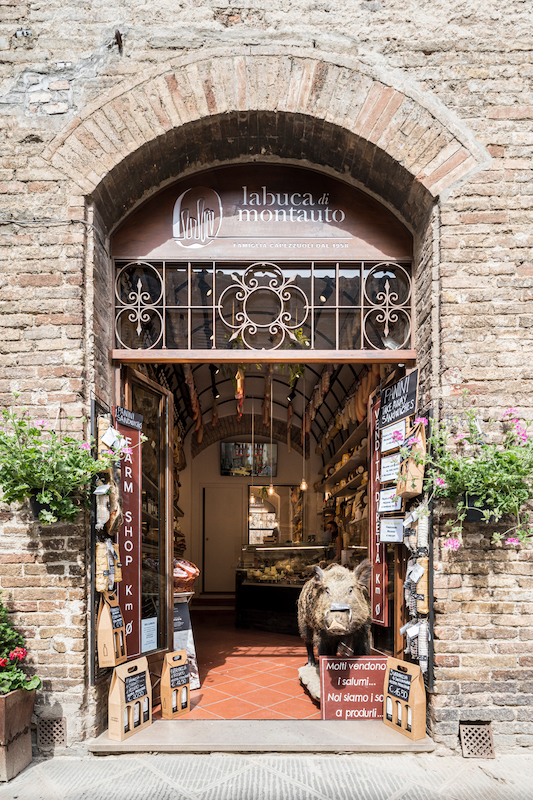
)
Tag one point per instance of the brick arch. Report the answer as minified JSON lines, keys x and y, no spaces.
{"x":366,"y":123}
{"x":230,"y":426}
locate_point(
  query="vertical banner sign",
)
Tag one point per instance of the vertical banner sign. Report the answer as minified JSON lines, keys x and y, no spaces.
{"x":129,"y":535}
{"x":378,"y":552}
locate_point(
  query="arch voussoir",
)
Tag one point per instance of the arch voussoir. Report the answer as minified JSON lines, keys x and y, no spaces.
{"x":392,"y":130}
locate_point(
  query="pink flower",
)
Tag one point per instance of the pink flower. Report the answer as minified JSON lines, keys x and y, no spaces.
{"x":412,"y":441}
{"x":421,"y":421}
{"x":397,"y":436}
{"x":18,"y":653}
{"x":108,"y":452}
{"x":511,"y":412}
{"x":85,"y":446}
{"x":3,"y":662}
{"x":439,"y":481}
{"x":40,"y":422}
{"x":459,"y":437}
{"x":127,"y":451}
{"x":512,"y":541}
{"x":452,"y":544}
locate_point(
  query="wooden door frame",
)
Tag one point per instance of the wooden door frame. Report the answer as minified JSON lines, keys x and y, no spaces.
{"x":123,"y":394}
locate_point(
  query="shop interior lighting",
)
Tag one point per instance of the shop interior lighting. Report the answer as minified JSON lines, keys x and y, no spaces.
{"x":292,"y":393}
{"x":303,"y":485}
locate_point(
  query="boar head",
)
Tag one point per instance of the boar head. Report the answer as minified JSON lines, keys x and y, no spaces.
{"x":342,"y":598}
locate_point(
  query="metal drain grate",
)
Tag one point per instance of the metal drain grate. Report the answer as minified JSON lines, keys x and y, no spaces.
{"x":51,"y":731}
{"x":476,"y":740}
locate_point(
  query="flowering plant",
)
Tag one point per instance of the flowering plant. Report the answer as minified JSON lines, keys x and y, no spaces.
{"x":12,"y":654}
{"x":496,"y":479}
{"x":38,"y":462}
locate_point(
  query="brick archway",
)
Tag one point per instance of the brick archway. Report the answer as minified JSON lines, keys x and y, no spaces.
{"x":376,"y":127}
{"x":230,"y":426}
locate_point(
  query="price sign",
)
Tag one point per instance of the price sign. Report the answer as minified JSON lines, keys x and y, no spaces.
{"x":135,"y":686}
{"x":116,"y":617}
{"x":399,"y":684}
{"x":388,"y":501}
{"x":392,"y":436}
{"x":179,"y":676}
{"x":391,"y":529}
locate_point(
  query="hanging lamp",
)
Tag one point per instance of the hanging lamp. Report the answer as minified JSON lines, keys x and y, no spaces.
{"x":303,"y":485}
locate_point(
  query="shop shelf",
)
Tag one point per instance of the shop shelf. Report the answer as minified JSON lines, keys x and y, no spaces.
{"x":358,"y":458}
{"x":352,"y":441}
{"x":349,"y":487}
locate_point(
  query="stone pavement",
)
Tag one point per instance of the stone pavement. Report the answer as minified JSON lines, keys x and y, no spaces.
{"x":275,"y":777}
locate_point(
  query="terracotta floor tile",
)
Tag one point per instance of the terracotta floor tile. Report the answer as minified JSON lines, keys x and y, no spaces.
{"x":291,"y":687}
{"x":238,"y":688}
{"x":316,"y":715}
{"x":215,"y":679}
{"x":265,"y":679}
{"x":264,"y":713}
{"x":296,"y":707}
{"x":265,"y":697}
{"x":233,"y":708}
{"x":241,"y":672}
{"x":263,"y":665}
{"x":204,"y":697}
{"x":286,"y":673}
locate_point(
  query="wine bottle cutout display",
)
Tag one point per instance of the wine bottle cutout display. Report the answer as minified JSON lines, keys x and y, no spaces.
{"x":404,"y":699}
{"x":175,"y":685}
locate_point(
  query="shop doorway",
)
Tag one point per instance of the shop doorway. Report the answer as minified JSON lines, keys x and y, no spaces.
{"x":286,"y":350}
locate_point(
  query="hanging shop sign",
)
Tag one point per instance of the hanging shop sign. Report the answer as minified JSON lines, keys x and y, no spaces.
{"x":399,"y":400}
{"x":251,"y":211}
{"x":130,"y":419}
{"x":393,"y":435}
{"x":352,"y":688}
{"x":378,"y":552}
{"x":129,"y":535}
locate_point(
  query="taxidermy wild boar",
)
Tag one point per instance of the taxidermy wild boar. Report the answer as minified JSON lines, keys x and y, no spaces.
{"x":333,"y":607}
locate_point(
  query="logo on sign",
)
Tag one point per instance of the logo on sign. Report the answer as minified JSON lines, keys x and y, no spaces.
{"x":197,"y":217}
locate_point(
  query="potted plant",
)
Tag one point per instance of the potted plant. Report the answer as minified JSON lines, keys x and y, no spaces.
{"x":17,"y":698}
{"x":488,"y":472}
{"x":52,"y":469}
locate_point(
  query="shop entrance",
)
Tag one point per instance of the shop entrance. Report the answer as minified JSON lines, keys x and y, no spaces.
{"x":255,"y":503}
{"x":267,"y":305}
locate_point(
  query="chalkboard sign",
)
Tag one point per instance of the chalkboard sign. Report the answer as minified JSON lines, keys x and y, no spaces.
{"x":399,"y":684}
{"x":128,"y":418}
{"x":179,"y":676}
{"x":135,"y":686}
{"x":399,"y":400}
{"x":116,"y":617}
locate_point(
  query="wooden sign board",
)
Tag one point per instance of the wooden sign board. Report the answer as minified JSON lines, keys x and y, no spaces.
{"x":352,"y":688}
{"x":399,"y":400}
{"x":175,"y":685}
{"x":130,"y":700}
{"x":404,"y":702}
{"x":110,"y":632}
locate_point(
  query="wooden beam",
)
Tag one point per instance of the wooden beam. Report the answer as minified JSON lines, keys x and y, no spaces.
{"x":162,"y":356}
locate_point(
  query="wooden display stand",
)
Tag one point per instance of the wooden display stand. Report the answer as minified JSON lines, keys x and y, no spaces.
{"x":130,"y":700}
{"x":175,"y":685}
{"x":110,"y":632}
{"x":404,"y":699}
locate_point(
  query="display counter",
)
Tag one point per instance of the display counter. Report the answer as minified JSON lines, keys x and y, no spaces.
{"x":269,"y":581}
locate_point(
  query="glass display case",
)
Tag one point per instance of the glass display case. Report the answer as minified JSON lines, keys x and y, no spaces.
{"x":284,"y":565}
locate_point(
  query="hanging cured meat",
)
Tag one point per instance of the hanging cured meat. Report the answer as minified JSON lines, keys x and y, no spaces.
{"x":195,"y":403}
{"x":239,"y":393}
{"x":289,"y":425}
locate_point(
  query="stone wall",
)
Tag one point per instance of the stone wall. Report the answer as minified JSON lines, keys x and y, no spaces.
{"x":424,"y":104}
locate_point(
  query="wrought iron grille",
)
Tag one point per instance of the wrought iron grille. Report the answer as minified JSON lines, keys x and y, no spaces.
{"x":263,"y":306}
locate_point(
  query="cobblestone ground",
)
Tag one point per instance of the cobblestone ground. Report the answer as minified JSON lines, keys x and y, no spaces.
{"x":272,"y":777}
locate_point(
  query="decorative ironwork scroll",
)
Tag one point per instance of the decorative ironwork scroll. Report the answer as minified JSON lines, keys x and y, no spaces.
{"x":210,"y":305}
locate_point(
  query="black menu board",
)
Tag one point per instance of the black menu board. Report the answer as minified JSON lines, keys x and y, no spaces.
{"x":135,"y":686}
{"x":399,"y":684}
{"x":179,"y":676}
{"x":116,"y":617}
